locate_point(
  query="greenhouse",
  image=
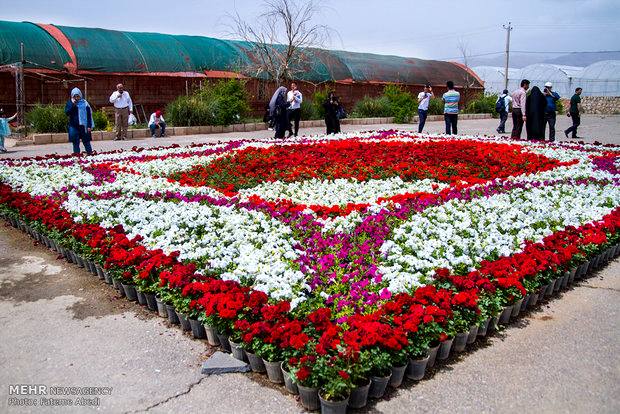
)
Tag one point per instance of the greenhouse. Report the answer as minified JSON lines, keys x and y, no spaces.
{"x":493,"y":77}
{"x":600,"y":79}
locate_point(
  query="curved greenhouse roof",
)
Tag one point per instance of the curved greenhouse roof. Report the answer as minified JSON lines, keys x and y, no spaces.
{"x":601,"y":79}
{"x":562,"y":77}
{"x":493,"y":77}
{"x":88,"y":50}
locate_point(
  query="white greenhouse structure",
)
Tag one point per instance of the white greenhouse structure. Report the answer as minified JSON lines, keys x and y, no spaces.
{"x":599,"y":79}
{"x":493,"y":77}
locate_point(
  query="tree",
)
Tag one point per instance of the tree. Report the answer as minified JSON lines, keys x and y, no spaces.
{"x":281,"y":38}
{"x":469,"y":80}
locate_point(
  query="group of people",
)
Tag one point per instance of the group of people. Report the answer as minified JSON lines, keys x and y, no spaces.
{"x":284,"y":112}
{"x":536,"y":110}
{"x":81,"y":122}
{"x":450,"y":101}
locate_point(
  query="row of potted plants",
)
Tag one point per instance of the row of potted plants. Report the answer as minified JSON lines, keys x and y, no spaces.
{"x":328,"y":363}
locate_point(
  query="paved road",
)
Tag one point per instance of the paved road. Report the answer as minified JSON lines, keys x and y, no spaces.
{"x":595,"y":127}
{"x":61,"y":326}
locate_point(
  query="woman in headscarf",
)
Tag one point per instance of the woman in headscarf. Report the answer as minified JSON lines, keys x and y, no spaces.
{"x":535,"y":112}
{"x":278,"y":112}
{"x":5,"y":129}
{"x":81,"y":121}
{"x":331,"y":106}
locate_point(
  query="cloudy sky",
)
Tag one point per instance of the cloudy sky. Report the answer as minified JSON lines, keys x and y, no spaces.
{"x":429,"y":29}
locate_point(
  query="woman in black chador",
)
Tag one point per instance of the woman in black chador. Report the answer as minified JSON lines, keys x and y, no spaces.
{"x":535,"y":112}
{"x":332,"y":106}
{"x":278,"y":112}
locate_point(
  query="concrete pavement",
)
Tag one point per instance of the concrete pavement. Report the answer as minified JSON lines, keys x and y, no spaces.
{"x":594,"y":127}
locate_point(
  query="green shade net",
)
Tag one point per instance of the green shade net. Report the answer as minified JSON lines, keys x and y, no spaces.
{"x":109,"y":51}
{"x":39,"y":46}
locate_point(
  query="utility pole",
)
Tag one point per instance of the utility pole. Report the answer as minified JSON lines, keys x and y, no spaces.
{"x":508,"y":30}
{"x":20,"y":96}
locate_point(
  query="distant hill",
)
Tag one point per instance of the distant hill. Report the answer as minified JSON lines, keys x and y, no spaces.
{"x":584,"y":58}
{"x":521,"y":60}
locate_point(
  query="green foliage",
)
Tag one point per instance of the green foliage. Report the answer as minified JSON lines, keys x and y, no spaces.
{"x":101,"y":120}
{"x":223,"y":103}
{"x":47,"y":118}
{"x":369,"y":107}
{"x":318,"y":99}
{"x":560,"y":107}
{"x":482,"y":104}
{"x":435,"y":106}
{"x":309,"y":110}
{"x":395,"y":102}
{"x":403,"y":105}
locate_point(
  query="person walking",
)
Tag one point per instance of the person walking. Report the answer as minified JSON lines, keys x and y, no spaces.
{"x":551,"y":109}
{"x":156,"y":121}
{"x":295,"y":98}
{"x":502,"y":106}
{"x":123,"y":106}
{"x":573,"y":113}
{"x":451,"y":108}
{"x":424,"y":99}
{"x":81,"y":121}
{"x":278,"y":111}
{"x":519,"y":109}
{"x":332,"y":107}
{"x":536,"y":109}
{"x":5,"y":129}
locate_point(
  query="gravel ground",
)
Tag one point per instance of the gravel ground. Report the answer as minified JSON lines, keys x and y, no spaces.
{"x":60,"y":326}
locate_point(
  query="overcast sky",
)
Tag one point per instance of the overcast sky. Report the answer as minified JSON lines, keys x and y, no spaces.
{"x":429,"y":29}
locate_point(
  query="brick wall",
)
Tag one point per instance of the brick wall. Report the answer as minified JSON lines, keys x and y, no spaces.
{"x":155,"y":92}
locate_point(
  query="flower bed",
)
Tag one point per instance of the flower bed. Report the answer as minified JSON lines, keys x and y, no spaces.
{"x":346,"y":257}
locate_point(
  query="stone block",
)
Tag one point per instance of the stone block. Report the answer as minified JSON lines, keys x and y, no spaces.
{"x":221,"y":363}
{"x":217,"y":129}
{"x":108,"y":135}
{"x":205,"y":129}
{"x":40,"y":139}
{"x":60,"y":138}
{"x":24,"y":142}
{"x":194,"y":130}
{"x":180,"y":130}
{"x":140,"y":133}
{"x":96,"y":136}
{"x":227,"y":128}
{"x":238,"y":127}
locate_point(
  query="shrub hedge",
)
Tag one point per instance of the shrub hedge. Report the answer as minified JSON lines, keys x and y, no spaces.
{"x":222,"y":103}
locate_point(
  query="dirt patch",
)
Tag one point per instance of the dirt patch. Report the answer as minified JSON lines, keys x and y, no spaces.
{"x":30,"y":272}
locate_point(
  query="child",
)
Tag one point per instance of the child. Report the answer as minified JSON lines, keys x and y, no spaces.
{"x":5,"y":129}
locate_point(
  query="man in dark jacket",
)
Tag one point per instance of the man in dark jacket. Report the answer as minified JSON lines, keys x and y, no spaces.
{"x":575,"y":103}
{"x":551,"y":109}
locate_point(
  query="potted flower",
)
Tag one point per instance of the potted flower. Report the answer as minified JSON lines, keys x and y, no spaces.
{"x":399,"y":361}
{"x":336,"y":389}
{"x":418,"y":352}
{"x":307,"y":380}
{"x":380,"y":371}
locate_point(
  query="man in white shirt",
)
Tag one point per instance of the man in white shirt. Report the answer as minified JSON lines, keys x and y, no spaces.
{"x":123,"y":106}
{"x":424,"y":98}
{"x":157,"y":122}
{"x":294,"y":111}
